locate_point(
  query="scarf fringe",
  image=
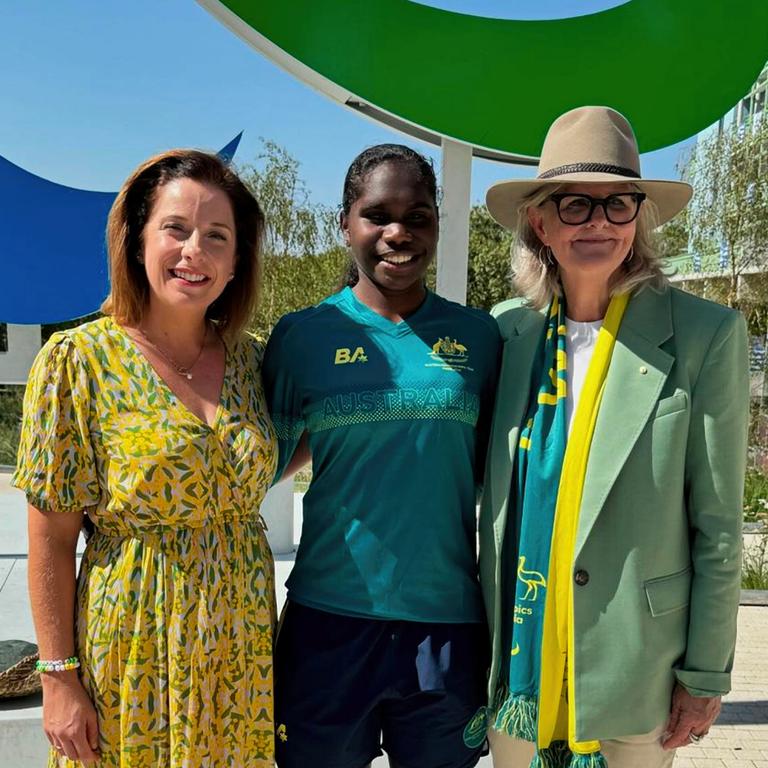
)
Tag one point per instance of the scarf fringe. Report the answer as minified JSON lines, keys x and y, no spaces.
{"x":517,"y":717}
{"x":557,"y":755}
{"x":592,"y":760}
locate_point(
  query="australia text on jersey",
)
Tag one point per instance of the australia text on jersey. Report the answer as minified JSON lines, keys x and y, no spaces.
{"x":442,"y":403}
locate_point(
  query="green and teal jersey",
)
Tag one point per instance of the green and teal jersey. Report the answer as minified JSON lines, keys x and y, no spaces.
{"x":397,"y":416}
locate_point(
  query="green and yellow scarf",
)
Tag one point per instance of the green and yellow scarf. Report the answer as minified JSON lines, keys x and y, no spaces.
{"x":540,"y":703}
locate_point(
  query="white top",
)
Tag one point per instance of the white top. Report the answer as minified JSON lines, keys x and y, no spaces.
{"x":580,"y":344}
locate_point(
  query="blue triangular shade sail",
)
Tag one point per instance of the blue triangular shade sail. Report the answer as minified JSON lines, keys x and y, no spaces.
{"x":227,"y":153}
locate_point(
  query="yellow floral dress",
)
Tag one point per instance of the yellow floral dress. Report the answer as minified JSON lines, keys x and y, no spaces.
{"x":175,"y":600}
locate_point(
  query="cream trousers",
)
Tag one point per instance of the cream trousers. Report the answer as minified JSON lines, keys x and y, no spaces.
{"x":629,"y":752}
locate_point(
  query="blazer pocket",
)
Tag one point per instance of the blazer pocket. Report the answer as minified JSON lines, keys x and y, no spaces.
{"x":666,"y":594}
{"x":673,"y":404}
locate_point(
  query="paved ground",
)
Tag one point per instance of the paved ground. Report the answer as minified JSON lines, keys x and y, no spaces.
{"x":740,"y":737}
{"x":738,"y":740}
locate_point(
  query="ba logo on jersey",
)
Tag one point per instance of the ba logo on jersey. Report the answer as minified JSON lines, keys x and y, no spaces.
{"x":345,"y":355}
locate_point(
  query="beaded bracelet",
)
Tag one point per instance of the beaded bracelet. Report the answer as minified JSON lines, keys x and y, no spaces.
{"x":57,"y":665}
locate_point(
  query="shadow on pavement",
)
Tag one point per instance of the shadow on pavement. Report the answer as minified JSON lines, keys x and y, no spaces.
{"x":744,"y":712}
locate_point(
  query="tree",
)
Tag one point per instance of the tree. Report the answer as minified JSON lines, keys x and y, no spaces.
{"x":11,"y":398}
{"x":295,"y":225}
{"x":729,"y":213}
{"x":294,"y":282}
{"x":729,"y":231}
{"x":672,"y":238}
{"x":489,"y":278}
{"x":303,"y":260}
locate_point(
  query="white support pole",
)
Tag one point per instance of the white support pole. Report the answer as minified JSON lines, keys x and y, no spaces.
{"x":452,"y":251}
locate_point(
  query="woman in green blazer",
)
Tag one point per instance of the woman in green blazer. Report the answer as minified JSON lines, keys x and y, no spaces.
{"x":610,"y":528}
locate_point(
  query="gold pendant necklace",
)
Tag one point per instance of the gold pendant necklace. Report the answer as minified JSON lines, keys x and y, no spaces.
{"x":182,"y":370}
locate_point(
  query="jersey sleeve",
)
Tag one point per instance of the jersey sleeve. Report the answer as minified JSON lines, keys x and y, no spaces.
{"x":56,"y":467}
{"x":283,"y":394}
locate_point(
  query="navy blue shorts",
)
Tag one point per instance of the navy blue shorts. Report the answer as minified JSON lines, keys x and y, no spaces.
{"x":346,"y":686}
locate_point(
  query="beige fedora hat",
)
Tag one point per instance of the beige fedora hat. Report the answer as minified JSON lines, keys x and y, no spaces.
{"x":587,"y":145}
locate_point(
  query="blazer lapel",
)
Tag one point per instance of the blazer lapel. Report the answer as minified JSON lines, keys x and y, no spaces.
{"x":637,"y":373}
{"x":512,"y":398}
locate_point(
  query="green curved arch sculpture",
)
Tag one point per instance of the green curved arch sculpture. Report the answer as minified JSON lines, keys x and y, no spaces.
{"x":672,"y":67}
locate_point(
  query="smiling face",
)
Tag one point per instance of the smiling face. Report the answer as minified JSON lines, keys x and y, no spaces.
{"x":595,"y":249}
{"x":189,"y":245}
{"x":392,"y":229}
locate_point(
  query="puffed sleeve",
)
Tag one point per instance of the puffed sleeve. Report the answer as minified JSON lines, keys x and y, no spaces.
{"x":283,"y":395}
{"x":715,"y":468}
{"x":55,"y":463}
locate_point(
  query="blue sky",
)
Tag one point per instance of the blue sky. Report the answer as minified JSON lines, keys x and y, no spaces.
{"x":524,"y":9}
{"x":90,"y":88}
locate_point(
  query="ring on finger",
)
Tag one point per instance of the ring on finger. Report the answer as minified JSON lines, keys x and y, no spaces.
{"x":696,"y":737}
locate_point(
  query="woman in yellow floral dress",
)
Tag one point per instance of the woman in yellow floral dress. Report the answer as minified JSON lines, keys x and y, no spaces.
{"x":152,"y":421}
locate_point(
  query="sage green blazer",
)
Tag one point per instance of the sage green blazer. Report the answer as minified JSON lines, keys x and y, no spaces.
{"x":659,"y":534}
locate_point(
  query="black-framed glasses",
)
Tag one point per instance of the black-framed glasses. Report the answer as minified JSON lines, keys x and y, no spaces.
{"x":620,"y":208}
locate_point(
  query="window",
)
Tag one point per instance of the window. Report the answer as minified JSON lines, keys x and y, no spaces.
{"x":759,"y":101}
{"x":3,"y":337}
{"x":743,"y":112}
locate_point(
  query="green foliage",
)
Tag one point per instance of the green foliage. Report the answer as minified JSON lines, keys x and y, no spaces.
{"x":755,"y":496}
{"x":754,"y":570}
{"x":729,"y":173}
{"x":303,"y":260}
{"x":294,"y":282}
{"x":295,"y":225}
{"x":489,"y":275}
{"x":11,"y":398}
{"x":672,"y":237}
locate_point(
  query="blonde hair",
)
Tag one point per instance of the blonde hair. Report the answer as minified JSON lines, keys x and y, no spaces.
{"x":129,"y":288}
{"x":538,"y":277}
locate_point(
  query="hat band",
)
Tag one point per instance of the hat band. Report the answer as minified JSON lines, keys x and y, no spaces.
{"x":616,"y":170}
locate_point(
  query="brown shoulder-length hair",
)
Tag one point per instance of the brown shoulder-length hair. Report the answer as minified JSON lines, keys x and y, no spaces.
{"x":129,"y":292}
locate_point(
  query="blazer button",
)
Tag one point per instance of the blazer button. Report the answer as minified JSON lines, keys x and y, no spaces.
{"x":581,"y":577}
